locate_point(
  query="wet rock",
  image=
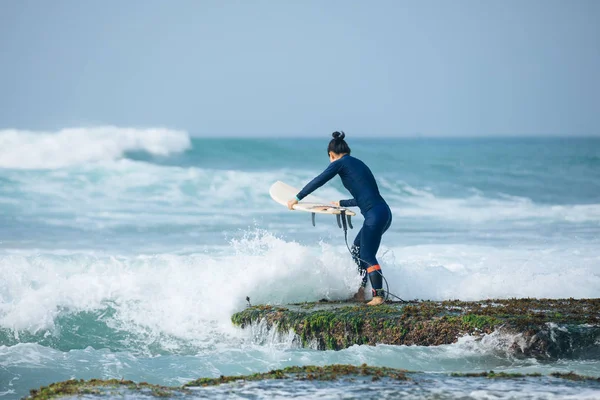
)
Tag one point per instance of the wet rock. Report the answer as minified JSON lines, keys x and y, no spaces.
{"x":351,"y":375}
{"x":542,"y":328}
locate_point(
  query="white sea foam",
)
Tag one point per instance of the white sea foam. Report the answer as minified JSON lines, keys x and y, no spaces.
{"x":473,"y":272}
{"x":49,"y":150}
{"x":193,"y":296}
{"x":410,"y":202}
{"x":183,"y":296}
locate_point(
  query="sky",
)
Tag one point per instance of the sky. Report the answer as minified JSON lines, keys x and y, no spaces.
{"x":303,"y":68}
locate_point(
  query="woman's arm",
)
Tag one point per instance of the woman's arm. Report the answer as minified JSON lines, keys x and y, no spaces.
{"x":320,"y":180}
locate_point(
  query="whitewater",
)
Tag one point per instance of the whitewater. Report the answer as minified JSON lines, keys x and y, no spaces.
{"x":125,"y":251}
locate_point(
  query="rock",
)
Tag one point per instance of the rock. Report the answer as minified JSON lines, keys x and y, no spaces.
{"x":543,"y":328}
{"x":352,"y":376}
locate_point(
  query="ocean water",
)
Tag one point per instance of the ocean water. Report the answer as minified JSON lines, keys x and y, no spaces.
{"x":124,"y":252}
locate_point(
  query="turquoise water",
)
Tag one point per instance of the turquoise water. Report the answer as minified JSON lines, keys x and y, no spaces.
{"x":123,"y":253}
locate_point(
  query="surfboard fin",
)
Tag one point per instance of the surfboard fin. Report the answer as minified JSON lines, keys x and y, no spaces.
{"x":343,"y":220}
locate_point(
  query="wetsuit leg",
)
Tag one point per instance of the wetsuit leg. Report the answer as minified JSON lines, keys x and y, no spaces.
{"x":377,"y":221}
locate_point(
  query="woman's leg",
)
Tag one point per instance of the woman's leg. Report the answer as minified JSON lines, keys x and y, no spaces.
{"x":377,"y":221}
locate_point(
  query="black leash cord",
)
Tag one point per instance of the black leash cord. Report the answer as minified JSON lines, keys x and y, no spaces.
{"x":387,"y":286}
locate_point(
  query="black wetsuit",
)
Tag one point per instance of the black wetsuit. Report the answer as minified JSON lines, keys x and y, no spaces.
{"x":360,"y":182}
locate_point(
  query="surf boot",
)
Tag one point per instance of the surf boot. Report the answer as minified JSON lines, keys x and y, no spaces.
{"x":378,"y":298}
{"x":376,"y":301}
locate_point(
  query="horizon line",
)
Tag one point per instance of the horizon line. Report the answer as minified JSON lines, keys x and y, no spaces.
{"x":301,"y":137}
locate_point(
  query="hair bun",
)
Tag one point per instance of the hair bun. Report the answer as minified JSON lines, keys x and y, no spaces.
{"x":338,"y":135}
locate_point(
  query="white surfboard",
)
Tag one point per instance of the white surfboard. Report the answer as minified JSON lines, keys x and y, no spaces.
{"x":282,"y":193}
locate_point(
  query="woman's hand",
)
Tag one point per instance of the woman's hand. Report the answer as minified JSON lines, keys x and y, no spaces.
{"x":291,"y":204}
{"x":336,"y":203}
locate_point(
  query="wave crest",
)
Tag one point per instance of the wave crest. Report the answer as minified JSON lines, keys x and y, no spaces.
{"x":51,"y":150}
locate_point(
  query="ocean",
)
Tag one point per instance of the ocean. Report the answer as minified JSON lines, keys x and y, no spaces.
{"x":124,"y":252}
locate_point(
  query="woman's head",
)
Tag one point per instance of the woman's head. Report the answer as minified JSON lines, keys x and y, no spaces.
{"x":337,"y":146}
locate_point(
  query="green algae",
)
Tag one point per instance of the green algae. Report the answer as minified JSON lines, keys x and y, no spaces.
{"x":94,"y":386}
{"x":334,"y":326}
{"x":573,"y":376}
{"x":326,"y":373}
{"x":480,"y":321}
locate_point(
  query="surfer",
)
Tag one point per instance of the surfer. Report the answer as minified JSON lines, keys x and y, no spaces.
{"x":360,"y":182}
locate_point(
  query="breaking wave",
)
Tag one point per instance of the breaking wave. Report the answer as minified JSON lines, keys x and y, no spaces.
{"x":50,"y":150}
{"x":191,"y":297}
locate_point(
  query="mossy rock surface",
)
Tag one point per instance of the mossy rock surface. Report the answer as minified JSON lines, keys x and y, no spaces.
{"x":114,"y":388}
{"x":100,"y":388}
{"x":310,"y":373}
{"x":336,"y":326}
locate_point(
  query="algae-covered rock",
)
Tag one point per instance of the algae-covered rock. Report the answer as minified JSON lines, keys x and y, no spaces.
{"x":541,"y":327}
{"x":310,"y":373}
{"x":351,"y":375}
{"x":118,"y":388}
{"x":100,"y":388}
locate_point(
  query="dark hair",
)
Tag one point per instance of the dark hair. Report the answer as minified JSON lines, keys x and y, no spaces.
{"x":338,"y":145}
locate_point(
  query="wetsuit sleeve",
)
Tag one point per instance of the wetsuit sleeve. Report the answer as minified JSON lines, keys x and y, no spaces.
{"x":320,"y":180}
{"x":348,"y":203}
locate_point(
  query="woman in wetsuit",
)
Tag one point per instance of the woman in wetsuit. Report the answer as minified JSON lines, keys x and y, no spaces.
{"x":360,"y":182}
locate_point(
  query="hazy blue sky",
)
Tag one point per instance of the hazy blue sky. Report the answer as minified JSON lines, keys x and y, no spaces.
{"x":303,"y":67}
